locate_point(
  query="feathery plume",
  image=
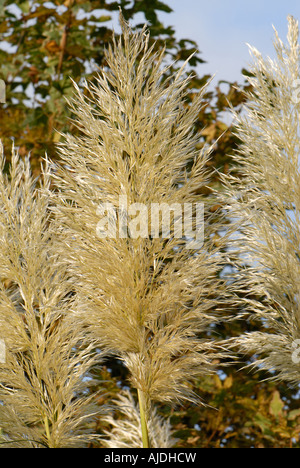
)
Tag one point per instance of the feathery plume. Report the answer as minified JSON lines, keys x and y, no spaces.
{"x":265,"y":205}
{"x":148,"y":293}
{"x":42,"y":385}
{"x":127,"y":432}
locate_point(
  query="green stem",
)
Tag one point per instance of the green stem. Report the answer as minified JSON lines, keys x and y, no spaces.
{"x":143,"y":415}
{"x":47,"y":429}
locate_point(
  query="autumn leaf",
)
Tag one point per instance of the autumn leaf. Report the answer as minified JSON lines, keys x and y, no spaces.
{"x":276,"y":405}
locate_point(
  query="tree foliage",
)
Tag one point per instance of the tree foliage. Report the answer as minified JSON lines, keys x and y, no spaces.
{"x":45,"y":43}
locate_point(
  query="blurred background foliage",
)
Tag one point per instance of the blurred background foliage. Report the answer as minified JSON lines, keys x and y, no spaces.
{"x":45,"y":43}
{"x":42,"y":45}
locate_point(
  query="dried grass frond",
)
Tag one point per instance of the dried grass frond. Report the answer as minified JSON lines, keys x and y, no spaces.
{"x":265,"y":207}
{"x":43,"y":379}
{"x":147,"y":298}
{"x":127,"y":432}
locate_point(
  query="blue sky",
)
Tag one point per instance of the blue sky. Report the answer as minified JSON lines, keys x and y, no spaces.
{"x":222,"y":28}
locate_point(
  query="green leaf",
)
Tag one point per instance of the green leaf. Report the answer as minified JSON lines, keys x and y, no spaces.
{"x":294,"y":414}
{"x":1,"y":6}
{"x":263,"y":423}
{"x":24,"y":6}
{"x":100,"y":19}
{"x":276,"y":405}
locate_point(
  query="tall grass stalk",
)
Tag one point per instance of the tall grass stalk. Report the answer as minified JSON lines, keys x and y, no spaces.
{"x":43,"y":401}
{"x":265,"y":204}
{"x":153,"y":300}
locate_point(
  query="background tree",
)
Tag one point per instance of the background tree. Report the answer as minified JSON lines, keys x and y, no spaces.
{"x":45,"y":43}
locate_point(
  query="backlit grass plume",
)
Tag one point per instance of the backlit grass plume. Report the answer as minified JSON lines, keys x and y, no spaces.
{"x":265,"y":203}
{"x":147,"y":293}
{"x":127,"y":432}
{"x":42,"y":386}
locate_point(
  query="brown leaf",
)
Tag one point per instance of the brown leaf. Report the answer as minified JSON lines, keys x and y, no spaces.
{"x":52,"y":47}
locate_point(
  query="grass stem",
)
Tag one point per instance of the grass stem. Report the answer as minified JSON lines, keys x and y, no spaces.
{"x":143,"y":414}
{"x":47,"y":429}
